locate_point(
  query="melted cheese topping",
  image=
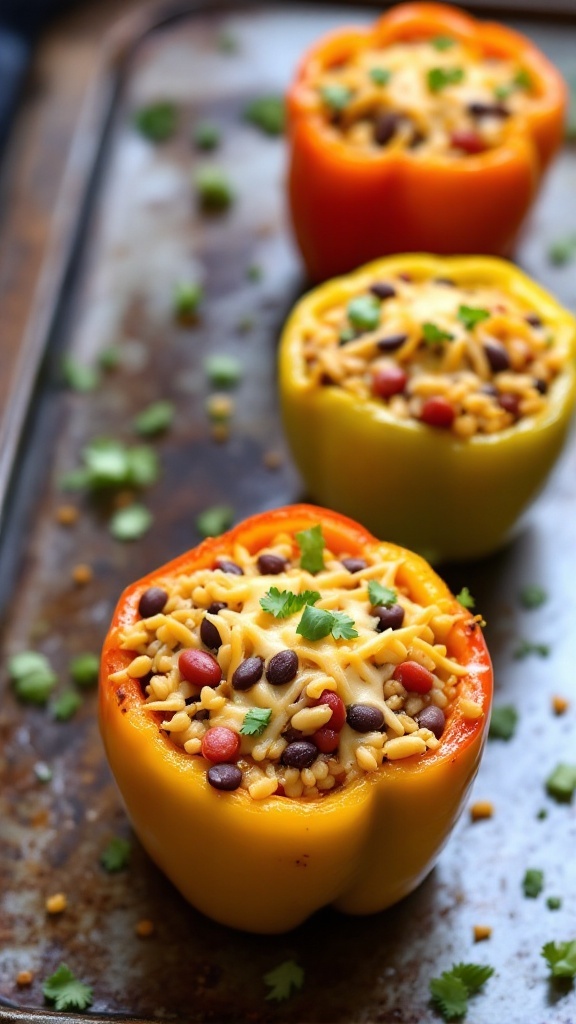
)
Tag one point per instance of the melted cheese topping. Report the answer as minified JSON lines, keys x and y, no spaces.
{"x":434,"y":97}
{"x":359,"y":670}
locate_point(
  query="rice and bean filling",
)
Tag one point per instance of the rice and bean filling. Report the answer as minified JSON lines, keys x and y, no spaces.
{"x":293,"y":671}
{"x":435,"y":96}
{"x":471,"y":359}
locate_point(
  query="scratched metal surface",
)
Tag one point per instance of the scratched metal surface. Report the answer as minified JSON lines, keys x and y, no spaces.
{"x":144,"y":233}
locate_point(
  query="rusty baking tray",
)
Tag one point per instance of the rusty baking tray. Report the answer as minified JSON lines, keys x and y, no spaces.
{"x":134,"y":232}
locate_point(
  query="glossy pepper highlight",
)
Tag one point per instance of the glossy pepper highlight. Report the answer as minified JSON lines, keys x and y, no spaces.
{"x":365,"y":845}
{"x":349,"y":206}
{"x":446,"y":497}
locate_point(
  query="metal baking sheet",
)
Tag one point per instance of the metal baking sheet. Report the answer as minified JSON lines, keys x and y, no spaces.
{"x":138,"y":233}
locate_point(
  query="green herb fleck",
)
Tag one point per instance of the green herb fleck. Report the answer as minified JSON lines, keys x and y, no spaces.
{"x":364,"y":312}
{"x":561,"y":784}
{"x":317,"y":623}
{"x":283,"y":603}
{"x":380,"y":76}
{"x":380,"y":596}
{"x":346,"y":334}
{"x":116,"y":856}
{"x":79,"y":377}
{"x":503,"y":722}
{"x":130,"y":523}
{"x":254,"y":273}
{"x":43,"y":772}
{"x":65,"y":991}
{"x":451,"y":991}
{"x":562,"y":251}
{"x":465,"y":598}
{"x":223,"y":371}
{"x":32,"y":677}
{"x":442,"y":43}
{"x":469,"y":316}
{"x":553,"y":903}
{"x":523,"y":79}
{"x":214,"y":191}
{"x":440,"y":78}
{"x":561,"y":958}
{"x":434,"y":335}
{"x":187,"y":298}
{"x":158,"y":121}
{"x":542,"y":814}
{"x":343,"y":626}
{"x":110,"y":358}
{"x":215,"y":520}
{"x":206,"y":136}
{"x":84,"y":670}
{"x":526,"y":647}
{"x":532,"y":596}
{"x":311,"y":544}
{"x":155,"y":419}
{"x":285,"y":979}
{"x":255,"y":721}
{"x":336,"y":97}
{"x":66,"y":705}
{"x":110,"y":464}
{"x":267,"y":113}
{"x":533,"y":883}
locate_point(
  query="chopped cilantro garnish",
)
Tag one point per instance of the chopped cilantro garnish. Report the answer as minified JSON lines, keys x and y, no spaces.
{"x":526,"y":647}
{"x":311,"y":544}
{"x":337,"y":97}
{"x":562,"y":251}
{"x":155,"y":419}
{"x":79,"y":377}
{"x":533,"y":882}
{"x":213,"y":189}
{"x":65,"y":991}
{"x":84,"y":669}
{"x":317,"y":623}
{"x":255,"y":721}
{"x":32,"y":677}
{"x":469,"y":316}
{"x":206,"y":135}
{"x":130,"y":523}
{"x":561,"y":958}
{"x":110,"y":358}
{"x":523,"y":79}
{"x":553,"y":903}
{"x":380,"y":76}
{"x":267,"y":113}
{"x":343,"y":626}
{"x":364,"y":312}
{"x":223,"y":371}
{"x":532,"y":596}
{"x":346,"y":334}
{"x":187,"y":298}
{"x":116,"y":856}
{"x":542,"y":814}
{"x":442,"y":43}
{"x":381,"y":596}
{"x":439,"y":78}
{"x":66,"y":705}
{"x":254,"y":272}
{"x":283,"y":980}
{"x":214,"y":520}
{"x":450,"y":992}
{"x":434,"y":335}
{"x":283,"y":603}
{"x":158,"y":121}
{"x":465,"y":598}
{"x":503,"y":722}
{"x":561,"y":784}
{"x":109,"y":463}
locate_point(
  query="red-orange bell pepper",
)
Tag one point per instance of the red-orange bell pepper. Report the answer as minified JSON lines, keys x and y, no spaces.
{"x":349,"y":206}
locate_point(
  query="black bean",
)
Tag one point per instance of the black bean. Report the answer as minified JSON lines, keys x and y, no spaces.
{"x":510,"y":403}
{"x":364,"y":717}
{"x":447,"y":281}
{"x":383,"y":290}
{"x":497,"y":356}
{"x":300,"y":754}
{"x":479,"y":109}
{"x":533,"y":319}
{"x":202,"y":715}
{"x":216,"y":607}
{"x":152,"y":602}
{"x":248,"y":673}
{"x":354,"y":564}
{"x":385,"y":127}
{"x":230,"y":567}
{"x":392,"y":342}
{"x":209,"y":635}
{"x":282,"y":668}
{"x":541,"y":385}
{"x":388,"y":618}
{"x":271,"y":565}
{"x":193,"y":700}
{"x":432,"y":718}
{"x":416,"y":139}
{"x":292,"y":735}
{"x":224,"y":776}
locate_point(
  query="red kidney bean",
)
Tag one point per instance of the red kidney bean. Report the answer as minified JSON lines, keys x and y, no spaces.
{"x":383,"y":290}
{"x":510,"y":403}
{"x":468,"y":141}
{"x":326,"y":739}
{"x":333,"y":701}
{"x":271,"y":565}
{"x":152,"y":602}
{"x":220,"y":744}
{"x":300,"y":754}
{"x":199,"y":667}
{"x":414,"y":677}
{"x":248,"y":673}
{"x":209,"y":635}
{"x":438,"y":412}
{"x":392,"y":343}
{"x":354,"y":564}
{"x":364,"y":717}
{"x":390,"y":617}
{"x":479,"y":109}
{"x":282,"y":668}
{"x":230,"y":567}
{"x":388,"y":381}
{"x":497,"y":356}
{"x":432,"y":718}
{"x":224,"y":776}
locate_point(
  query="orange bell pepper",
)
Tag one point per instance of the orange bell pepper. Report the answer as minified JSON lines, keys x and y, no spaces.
{"x":266,"y":865}
{"x":349,"y":206}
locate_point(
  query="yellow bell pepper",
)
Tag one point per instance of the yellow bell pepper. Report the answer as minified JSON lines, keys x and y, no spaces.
{"x":444,"y":496}
{"x":266,"y":865}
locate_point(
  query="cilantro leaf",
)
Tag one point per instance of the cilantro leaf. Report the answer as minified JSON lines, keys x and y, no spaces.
{"x":336,"y":97}
{"x":206,"y":135}
{"x":214,"y":191}
{"x":311,"y":544}
{"x":562,"y":251}
{"x":108,"y":463}
{"x":523,"y":79}
{"x":130,"y":523}
{"x":255,"y":721}
{"x":434,"y":335}
{"x":283,"y":603}
{"x":380,"y":76}
{"x":553,"y":903}
{"x":283,"y":980}
{"x":32,"y":677}
{"x":532,"y":596}
{"x":465,"y":598}
{"x":439,"y":78}
{"x":223,"y":371}
{"x":450,"y":995}
{"x":66,"y":705}
{"x":186,"y":299}
{"x":474,"y":976}
{"x":380,"y":596}
{"x":469,"y":316}
{"x":116,"y":856}
{"x":79,"y":377}
{"x":65,"y":991}
{"x":561,"y":958}
{"x":267,"y":113}
{"x":214,"y":520}
{"x":442,"y":43}
{"x":526,"y":647}
{"x":84,"y":669}
{"x":364,"y":312}
{"x":158,"y":121}
{"x":343,"y":626}
{"x":533,"y":882}
{"x":315,"y":623}
{"x":503,"y":722}
{"x":561,"y":784}
{"x":155,"y":418}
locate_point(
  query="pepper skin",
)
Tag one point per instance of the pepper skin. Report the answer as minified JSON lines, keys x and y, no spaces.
{"x":427,"y":489}
{"x":265,"y":866}
{"x":349,"y":207}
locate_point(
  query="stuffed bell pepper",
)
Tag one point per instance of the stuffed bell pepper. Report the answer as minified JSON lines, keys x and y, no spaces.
{"x":429,"y":131}
{"x":294,"y":713}
{"x":429,"y":398}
